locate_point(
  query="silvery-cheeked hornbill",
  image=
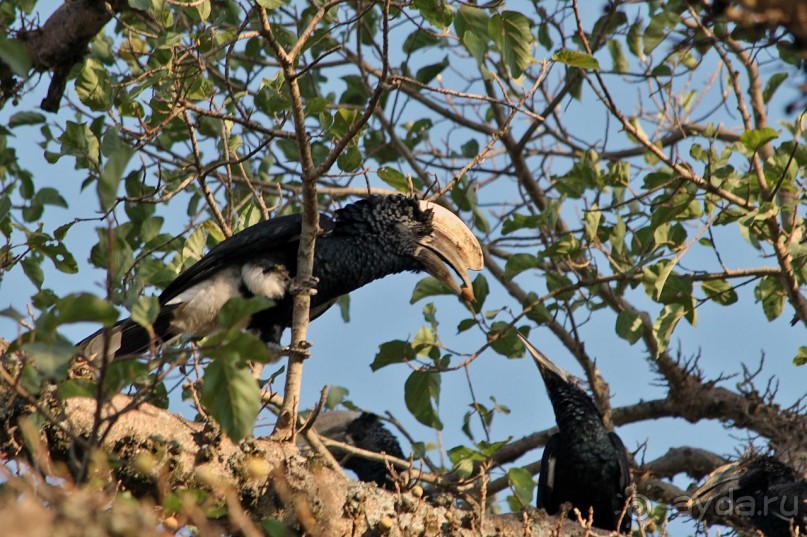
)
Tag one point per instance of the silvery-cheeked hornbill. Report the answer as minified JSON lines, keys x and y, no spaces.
{"x":366,"y":431}
{"x":367,"y":240}
{"x":583,"y":463}
{"x":758,"y":491}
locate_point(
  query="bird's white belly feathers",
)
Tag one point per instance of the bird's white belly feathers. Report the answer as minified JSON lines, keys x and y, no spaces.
{"x":272,"y":284}
{"x":198,"y":306}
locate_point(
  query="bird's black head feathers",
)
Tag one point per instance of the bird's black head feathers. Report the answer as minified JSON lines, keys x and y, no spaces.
{"x":398,"y":219}
{"x":762,"y":473}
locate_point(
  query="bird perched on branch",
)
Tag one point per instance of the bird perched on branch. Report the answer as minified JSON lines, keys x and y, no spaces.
{"x":583,"y":463}
{"x":761,"y":492}
{"x":366,"y":431}
{"x":367,"y":240}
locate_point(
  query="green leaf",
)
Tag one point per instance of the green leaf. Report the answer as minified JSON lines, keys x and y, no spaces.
{"x":634,"y":40}
{"x":50,"y":196}
{"x":753,"y":140}
{"x":592,"y":222}
{"x":77,"y":388}
{"x":511,"y":30}
{"x":25,"y":118}
{"x":657,"y":276}
{"x":204,"y":10}
{"x":656,"y":31}
{"x":53,"y":361}
{"x":518,"y":263}
{"x":429,"y":286}
{"x":520,"y":221}
{"x":145,"y":310}
{"x":394,"y":178}
{"x":81,"y":142}
{"x":665,"y":324}
{"x":577,"y":59}
{"x":772,"y":85}
{"x":481,"y":291}
{"x":469,"y":150}
{"x":32,"y":267}
{"x":111,"y":175}
{"x":506,"y":340}
{"x":232,"y":396}
{"x":769,"y":291}
{"x":350,"y":159}
{"x":801,"y":357}
{"x":393,"y":352}
{"x":84,"y":307}
{"x":419,"y":39}
{"x":523,"y":485}
{"x":93,"y":86}
{"x":618,"y":56}
{"x":471,"y":19}
{"x":238,"y":309}
{"x":274,"y":527}
{"x":14,"y":54}
{"x":720,"y":291}
{"x":428,"y":73}
{"x":420,"y":390}
{"x":344,"y":307}
{"x":629,"y":326}
{"x":437,"y":12}
{"x":478,"y":47}
{"x":336,"y":394}
{"x":271,"y":4}
{"x":122,"y":373}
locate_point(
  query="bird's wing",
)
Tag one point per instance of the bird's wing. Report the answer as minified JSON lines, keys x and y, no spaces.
{"x":253,"y":242}
{"x":546,"y":479}
{"x":624,"y":482}
{"x":624,"y":464}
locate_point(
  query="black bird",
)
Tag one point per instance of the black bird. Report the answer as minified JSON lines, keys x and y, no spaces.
{"x":583,"y":463}
{"x":758,"y":490}
{"x":367,"y":240}
{"x":366,"y":431}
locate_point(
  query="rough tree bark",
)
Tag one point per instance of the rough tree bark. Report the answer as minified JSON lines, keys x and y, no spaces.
{"x":158,"y":452}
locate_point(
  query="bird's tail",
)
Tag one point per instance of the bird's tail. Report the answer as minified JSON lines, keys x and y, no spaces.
{"x":126,"y":338}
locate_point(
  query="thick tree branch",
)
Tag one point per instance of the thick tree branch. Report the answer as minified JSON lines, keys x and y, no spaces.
{"x":62,"y":42}
{"x":286,"y":488}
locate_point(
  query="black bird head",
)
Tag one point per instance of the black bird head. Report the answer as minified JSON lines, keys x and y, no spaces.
{"x":564,"y":388}
{"x":430,"y":234}
{"x":745,"y":477}
{"x":363,"y":430}
{"x":755,"y":491}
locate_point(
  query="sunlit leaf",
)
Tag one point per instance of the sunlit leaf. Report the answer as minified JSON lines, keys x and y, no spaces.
{"x":393,"y":352}
{"x":720,"y":291}
{"x":394,"y":178}
{"x":14,"y":54}
{"x":665,"y":324}
{"x":577,"y":59}
{"x":231,"y":394}
{"x":629,"y":326}
{"x":422,"y":394}
{"x":511,"y":30}
{"x":753,"y":140}
{"x":801,"y":356}
{"x":523,"y":485}
{"x":429,"y":286}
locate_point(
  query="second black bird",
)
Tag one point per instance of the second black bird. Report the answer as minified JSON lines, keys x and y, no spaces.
{"x":366,"y":431}
{"x":761,"y":492}
{"x":583,"y":463}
